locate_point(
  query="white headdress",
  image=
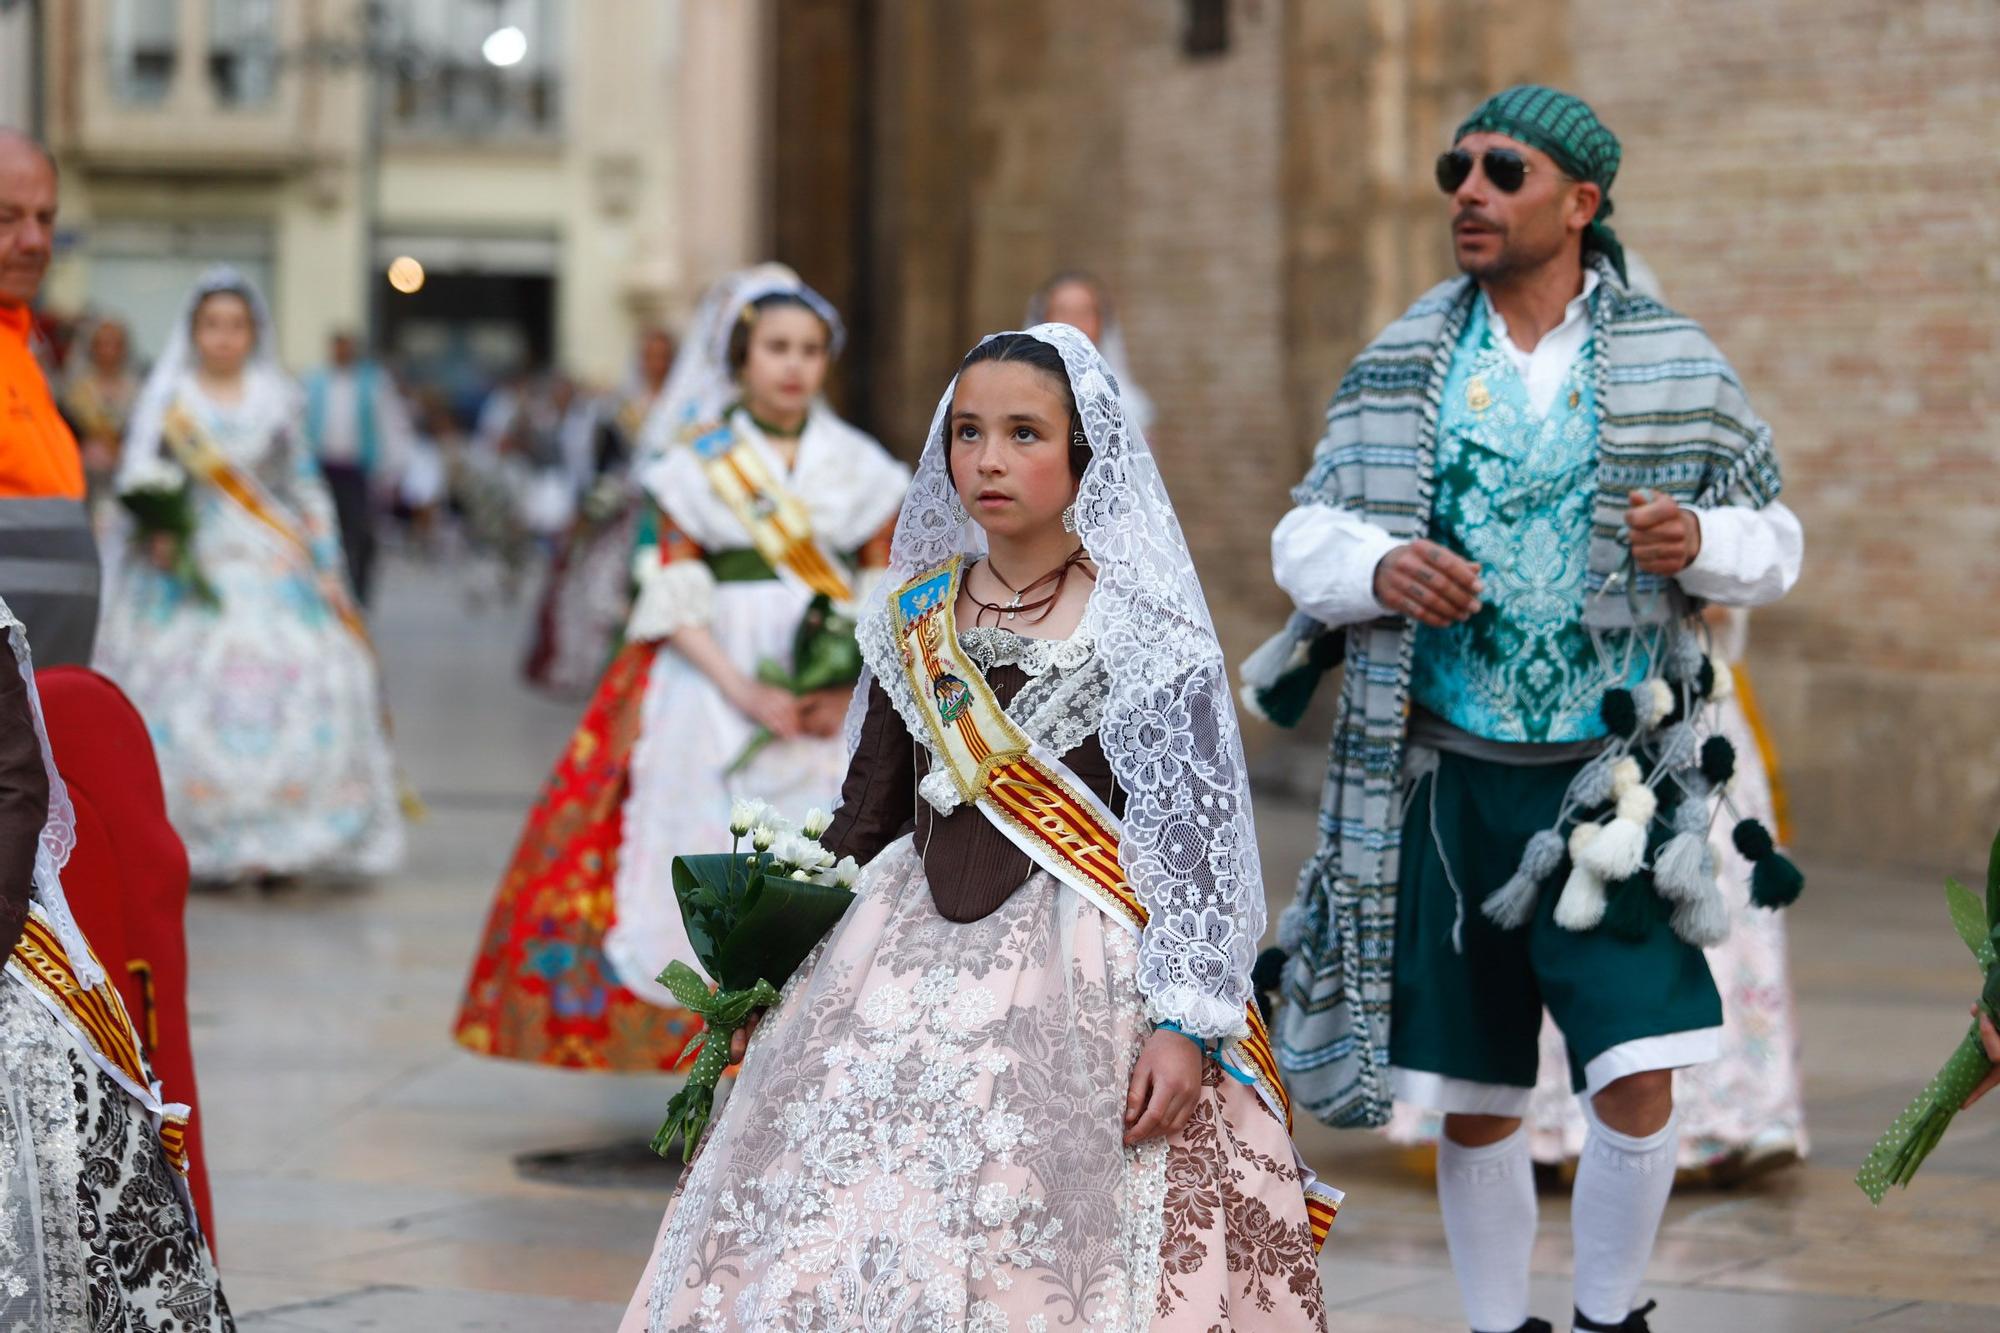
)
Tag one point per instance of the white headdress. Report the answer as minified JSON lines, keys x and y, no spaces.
{"x":58,"y":840}
{"x":1169,"y":723}
{"x":1111,"y":341}
{"x":701,"y":384}
{"x":268,"y":392}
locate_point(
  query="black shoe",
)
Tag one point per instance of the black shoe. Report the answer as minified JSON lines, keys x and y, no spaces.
{"x":1632,"y":1323}
{"x":1532,"y":1326}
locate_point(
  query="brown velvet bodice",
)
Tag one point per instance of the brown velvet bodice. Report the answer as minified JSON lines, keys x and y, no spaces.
{"x":970,"y":865}
{"x":24,"y":800}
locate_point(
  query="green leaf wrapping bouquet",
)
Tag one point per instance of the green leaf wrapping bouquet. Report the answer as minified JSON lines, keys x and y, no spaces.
{"x":825,"y":656}
{"x":753,"y":914}
{"x":1897,"y":1155}
{"x":160,"y":500}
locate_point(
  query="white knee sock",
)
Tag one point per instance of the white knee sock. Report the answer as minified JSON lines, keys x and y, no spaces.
{"x":1488,"y":1199}
{"x":1621,"y":1191}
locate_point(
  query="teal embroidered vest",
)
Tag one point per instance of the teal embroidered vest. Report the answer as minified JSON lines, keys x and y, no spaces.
{"x":1514,"y":493}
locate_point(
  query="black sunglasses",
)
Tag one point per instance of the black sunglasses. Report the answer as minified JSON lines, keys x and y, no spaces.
{"x":1506,"y":168}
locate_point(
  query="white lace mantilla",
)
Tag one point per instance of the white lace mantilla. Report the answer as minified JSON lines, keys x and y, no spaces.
{"x":1168,"y":713}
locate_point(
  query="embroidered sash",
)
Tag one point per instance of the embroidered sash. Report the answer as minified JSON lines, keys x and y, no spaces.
{"x":97,"y":1018}
{"x":777,"y":522}
{"x":1044,"y":809}
{"x":194,"y":451}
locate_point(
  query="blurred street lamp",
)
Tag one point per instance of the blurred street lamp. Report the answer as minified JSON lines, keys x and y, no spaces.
{"x":406,"y":275}
{"x":505,"y":47}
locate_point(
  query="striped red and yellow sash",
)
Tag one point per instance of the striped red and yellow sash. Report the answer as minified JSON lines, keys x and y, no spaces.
{"x":778,"y":524}
{"x":1044,"y":809}
{"x":198,"y":454}
{"x":98,"y":1018}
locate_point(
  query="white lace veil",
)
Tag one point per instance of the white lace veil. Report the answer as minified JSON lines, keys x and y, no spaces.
{"x":58,"y":838}
{"x":1169,"y":728}
{"x":1138,"y":403}
{"x":268,"y":391}
{"x":700,"y":385}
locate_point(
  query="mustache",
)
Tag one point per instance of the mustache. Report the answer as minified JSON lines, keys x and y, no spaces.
{"x":1474,"y":215}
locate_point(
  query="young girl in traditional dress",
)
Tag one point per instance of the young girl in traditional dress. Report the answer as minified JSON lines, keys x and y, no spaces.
{"x":762,"y":501}
{"x":1021,"y":1084}
{"x":262,"y":699}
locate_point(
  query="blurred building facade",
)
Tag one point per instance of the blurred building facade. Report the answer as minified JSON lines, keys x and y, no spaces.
{"x":582,"y":184}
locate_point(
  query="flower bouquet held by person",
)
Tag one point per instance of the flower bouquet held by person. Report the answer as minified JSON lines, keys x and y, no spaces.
{"x":825,"y":658}
{"x":1970,"y":1073}
{"x":752,"y":917}
{"x":156,"y":495}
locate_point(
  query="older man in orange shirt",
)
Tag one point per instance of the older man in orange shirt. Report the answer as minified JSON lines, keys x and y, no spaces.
{"x":48,"y":561}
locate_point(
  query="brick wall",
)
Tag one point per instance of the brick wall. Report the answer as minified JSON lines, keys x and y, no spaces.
{"x":1817,"y":182}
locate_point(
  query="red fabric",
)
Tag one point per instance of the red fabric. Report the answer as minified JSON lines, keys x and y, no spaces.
{"x":127,"y":881}
{"x":541,"y":988}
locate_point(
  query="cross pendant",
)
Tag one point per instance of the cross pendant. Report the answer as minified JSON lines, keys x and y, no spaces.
{"x":1014,"y":607}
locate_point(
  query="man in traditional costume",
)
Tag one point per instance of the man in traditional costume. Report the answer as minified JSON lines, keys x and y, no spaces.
{"x":1528,"y":485}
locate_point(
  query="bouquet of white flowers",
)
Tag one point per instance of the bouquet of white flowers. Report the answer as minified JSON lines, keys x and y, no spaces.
{"x":157,"y":494}
{"x":752,"y":915}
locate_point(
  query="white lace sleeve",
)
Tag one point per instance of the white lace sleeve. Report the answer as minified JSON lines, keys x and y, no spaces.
{"x":671,"y":597}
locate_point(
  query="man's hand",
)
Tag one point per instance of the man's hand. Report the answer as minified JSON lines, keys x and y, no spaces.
{"x":1665,"y":537}
{"x":1428,"y":584}
{"x":1989,"y":1037}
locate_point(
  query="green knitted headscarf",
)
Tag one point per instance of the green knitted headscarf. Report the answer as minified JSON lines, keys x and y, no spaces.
{"x":1567,"y":130}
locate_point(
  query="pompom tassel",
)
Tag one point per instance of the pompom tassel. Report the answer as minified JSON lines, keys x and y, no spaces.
{"x":1595,"y":783}
{"x":1620,"y":711}
{"x":1581,"y":906}
{"x":1510,"y":905}
{"x":1775,"y":879}
{"x":1718,"y":760}
{"x":1725,"y":680}
{"x":1704,"y":922}
{"x":1629,"y":909}
{"x":1656,"y":700}
{"x":1679,"y":746}
{"x":1266,"y":976}
{"x":1776,"y":882}
{"x":1683,"y":870}
{"x":1619,"y":850}
{"x":1685,"y":657}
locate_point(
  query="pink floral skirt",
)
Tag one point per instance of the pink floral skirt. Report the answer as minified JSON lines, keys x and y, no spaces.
{"x":928,"y":1133}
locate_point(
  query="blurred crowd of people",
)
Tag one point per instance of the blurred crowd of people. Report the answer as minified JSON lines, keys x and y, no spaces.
{"x":500,"y":477}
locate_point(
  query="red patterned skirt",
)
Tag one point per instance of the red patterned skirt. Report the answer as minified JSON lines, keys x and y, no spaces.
{"x":542,"y":989}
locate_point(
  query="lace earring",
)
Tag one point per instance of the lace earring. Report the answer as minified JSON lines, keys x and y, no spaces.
{"x":1069,"y":517}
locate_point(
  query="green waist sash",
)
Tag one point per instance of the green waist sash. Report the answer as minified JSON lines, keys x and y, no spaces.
{"x":743,"y":565}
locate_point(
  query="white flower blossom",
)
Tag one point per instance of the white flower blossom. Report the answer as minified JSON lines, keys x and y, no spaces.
{"x":746,"y":814}
{"x":816,"y":822}
{"x":153,"y":473}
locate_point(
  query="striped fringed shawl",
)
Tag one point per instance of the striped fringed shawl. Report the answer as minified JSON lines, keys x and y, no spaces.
{"x":1672,"y":418}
